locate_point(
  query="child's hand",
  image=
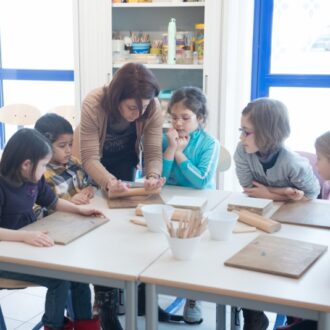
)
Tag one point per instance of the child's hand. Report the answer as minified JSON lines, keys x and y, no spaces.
{"x":88,"y":191}
{"x":182,"y":143}
{"x":172,"y":137}
{"x":115,"y":185}
{"x":90,"y":212}
{"x":259,"y":191}
{"x":153,"y":183}
{"x":80,"y":199}
{"x":37,"y":238}
{"x":294,"y":194}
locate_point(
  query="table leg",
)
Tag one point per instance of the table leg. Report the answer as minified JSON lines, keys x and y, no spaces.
{"x":151,"y":307}
{"x":220,"y":317}
{"x":131,"y":306}
{"x":324,"y":321}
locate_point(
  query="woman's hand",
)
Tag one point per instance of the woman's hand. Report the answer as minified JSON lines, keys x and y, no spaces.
{"x":37,"y":238}
{"x":153,"y":182}
{"x":115,"y":185}
{"x":80,"y":199}
{"x":172,"y":137}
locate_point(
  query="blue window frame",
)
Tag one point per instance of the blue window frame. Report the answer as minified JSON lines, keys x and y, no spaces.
{"x":262,"y":78}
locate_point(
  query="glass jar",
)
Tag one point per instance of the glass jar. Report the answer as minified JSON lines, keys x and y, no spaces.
{"x":199,"y":42}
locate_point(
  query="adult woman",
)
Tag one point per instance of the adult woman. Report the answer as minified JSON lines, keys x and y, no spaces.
{"x":114,"y":119}
{"x":116,"y":122}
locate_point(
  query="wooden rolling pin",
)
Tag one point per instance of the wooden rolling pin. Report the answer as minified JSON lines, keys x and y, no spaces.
{"x":134,"y":192}
{"x":258,"y":221}
{"x":178,"y":214}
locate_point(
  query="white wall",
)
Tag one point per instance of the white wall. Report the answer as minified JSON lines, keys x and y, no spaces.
{"x":235,"y":75}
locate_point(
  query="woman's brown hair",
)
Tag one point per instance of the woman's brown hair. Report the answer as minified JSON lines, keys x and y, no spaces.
{"x":132,"y":81}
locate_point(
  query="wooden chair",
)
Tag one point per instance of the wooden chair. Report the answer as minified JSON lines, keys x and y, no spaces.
{"x":19,"y":115}
{"x":15,"y":285}
{"x":66,"y":111}
{"x":224,"y":160}
{"x":9,"y":284}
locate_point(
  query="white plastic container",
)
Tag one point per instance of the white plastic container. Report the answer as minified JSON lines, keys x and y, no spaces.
{"x":154,"y":215}
{"x":221,"y":224}
{"x":171,"y":42}
{"x":184,"y":248}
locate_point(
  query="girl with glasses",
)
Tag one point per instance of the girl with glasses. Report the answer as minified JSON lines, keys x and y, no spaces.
{"x":267,"y":169}
{"x":190,"y":157}
{"x":190,"y":154}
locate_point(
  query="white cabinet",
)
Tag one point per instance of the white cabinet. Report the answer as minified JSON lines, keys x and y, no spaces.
{"x":96,"y":20}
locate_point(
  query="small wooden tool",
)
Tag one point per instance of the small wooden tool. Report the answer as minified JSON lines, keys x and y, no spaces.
{"x":178,"y":214}
{"x":258,"y":221}
{"x":134,"y":192}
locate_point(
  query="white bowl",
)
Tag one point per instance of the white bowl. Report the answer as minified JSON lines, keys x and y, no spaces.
{"x":221,"y":224}
{"x":183,"y":248}
{"x":154,"y":216}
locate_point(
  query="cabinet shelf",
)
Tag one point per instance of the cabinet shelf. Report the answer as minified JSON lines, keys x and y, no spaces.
{"x":158,"y":4}
{"x":168,"y":66}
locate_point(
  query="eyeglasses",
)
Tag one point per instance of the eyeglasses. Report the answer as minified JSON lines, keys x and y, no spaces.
{"x":244,"y":132}
{"x":185,"y":119}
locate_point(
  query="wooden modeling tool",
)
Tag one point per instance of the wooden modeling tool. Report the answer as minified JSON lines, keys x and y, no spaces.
{"x":134,"y":197}
{"x":258,"y":221}
{"x":178,"y":214}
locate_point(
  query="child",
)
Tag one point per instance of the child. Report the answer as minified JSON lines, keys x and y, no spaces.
{"x":322,"y":146}
{"x":64,"y":173}
{"x":22,"y":184}
{"x":266,"y":169}
{"x":68,"y":180}
{"x":190,"y":156}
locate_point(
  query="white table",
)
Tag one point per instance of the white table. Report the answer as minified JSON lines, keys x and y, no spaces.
{"x":113,"y":255}
{"x":206,"y":278}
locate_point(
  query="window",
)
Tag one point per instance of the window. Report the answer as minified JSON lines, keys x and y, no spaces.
{"x":36,"y":55}
{"x":291,"y":62}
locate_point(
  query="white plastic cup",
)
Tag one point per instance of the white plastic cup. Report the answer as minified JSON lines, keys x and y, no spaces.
{"x":221,"y":224}
{"x":184,"y":248}
{"x":154,"y":215}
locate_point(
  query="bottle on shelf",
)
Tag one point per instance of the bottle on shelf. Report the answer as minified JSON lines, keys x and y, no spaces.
{"x":171,"y":41}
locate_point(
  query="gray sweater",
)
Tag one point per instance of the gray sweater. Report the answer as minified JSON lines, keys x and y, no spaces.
{"x":289,"y":170}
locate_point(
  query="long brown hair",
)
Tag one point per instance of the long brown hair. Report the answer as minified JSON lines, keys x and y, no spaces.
{"x":132,"y":81}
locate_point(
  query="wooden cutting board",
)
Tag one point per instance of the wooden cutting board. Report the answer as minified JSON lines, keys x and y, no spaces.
{"x":64,"y":227}
{"x":313,"y":213}
{"x":255,"y":205}
{"x":134,"y":201}
{"x":277,"y":255}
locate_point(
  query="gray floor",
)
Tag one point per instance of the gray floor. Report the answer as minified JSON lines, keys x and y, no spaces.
{"x":23,"y":309}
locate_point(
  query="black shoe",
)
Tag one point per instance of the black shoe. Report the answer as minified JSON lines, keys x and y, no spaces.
{"x":164,"y":316}
{"x":107,"y":306}
{"x":254,"y":320}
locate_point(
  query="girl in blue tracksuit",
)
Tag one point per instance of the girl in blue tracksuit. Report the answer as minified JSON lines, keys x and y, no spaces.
{"x":190,"y":154}
{"x":190,"y":157}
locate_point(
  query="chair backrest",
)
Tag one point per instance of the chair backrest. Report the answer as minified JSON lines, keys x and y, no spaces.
{"x":66,"y":111}
{"x":224,"y":160}
{"x":19,"y":114}
{"x":6,"y":283}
